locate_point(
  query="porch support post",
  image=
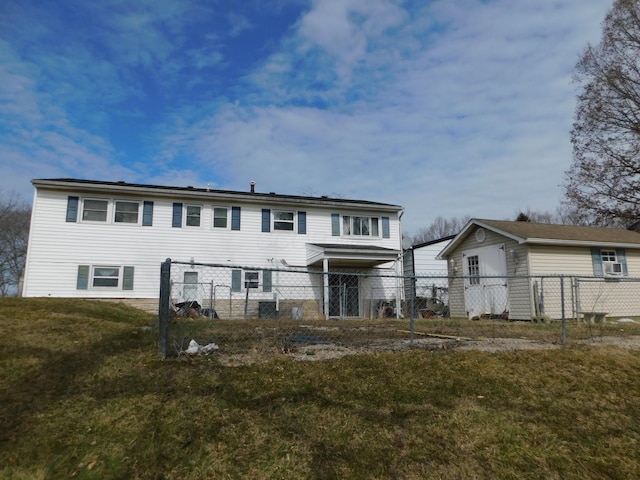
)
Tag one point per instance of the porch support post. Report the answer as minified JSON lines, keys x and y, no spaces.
{"x":325,"y":280}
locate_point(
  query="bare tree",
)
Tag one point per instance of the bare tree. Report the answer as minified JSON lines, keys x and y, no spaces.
{"x":603,"y":182}
{"x":441,"y":227}
{"x":15,"y":217}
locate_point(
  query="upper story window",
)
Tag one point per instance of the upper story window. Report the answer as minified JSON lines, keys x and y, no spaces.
{"x":126,"y":212}
{"x":283,"y":220}
{"x":220,"y":217}
{"x":94,"y":210}
{"x":359,"y":225}
{"x":193,"y":216}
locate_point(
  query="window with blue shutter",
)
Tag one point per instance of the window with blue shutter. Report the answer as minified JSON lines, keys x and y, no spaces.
{"x":82,"y":282}
{"x":266,"y":280}
{"x":302,"y":223}
{"x":622,"y":259}
{"x":235,"y":218}
{"x":609,"y":262}
{"x":147,"y":214}
{"x":266,"y":220}
{"x":335,"y":224}
{"x":236,"y":280}
{"x":177,"y":215}
{"x":127,"y":278}
{"x":596,"y":259}
{"x":385,"y":227}
{"x":72,"y":209}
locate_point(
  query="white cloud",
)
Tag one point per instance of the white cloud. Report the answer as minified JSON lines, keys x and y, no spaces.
{"x":449,"y":107}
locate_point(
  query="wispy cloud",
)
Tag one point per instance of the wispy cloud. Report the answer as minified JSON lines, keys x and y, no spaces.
{"x":448,"y":107}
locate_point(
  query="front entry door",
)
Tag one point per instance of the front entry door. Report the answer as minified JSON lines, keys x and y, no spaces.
{"x":485,"y":284}
{"x":344,"y":296}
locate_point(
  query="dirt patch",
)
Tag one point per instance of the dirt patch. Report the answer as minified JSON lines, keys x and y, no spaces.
{"x":328,"y":351}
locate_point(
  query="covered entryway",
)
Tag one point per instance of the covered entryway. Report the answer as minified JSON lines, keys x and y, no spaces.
{"x":343,"y":294}
{"x":485,"y":283}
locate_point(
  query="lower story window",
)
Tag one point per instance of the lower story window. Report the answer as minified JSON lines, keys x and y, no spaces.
{"x":101,"y":276}
{"x":106,"y":276}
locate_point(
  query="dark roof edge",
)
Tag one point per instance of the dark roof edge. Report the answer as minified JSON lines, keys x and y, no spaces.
{"x":66,"y":183}
{"x":431,"y":242}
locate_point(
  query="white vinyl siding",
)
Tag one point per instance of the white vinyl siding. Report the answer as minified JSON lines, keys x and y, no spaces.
{"x":57,"y":247}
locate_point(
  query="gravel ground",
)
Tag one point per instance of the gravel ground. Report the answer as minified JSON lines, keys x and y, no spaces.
{"x":328,"y":351}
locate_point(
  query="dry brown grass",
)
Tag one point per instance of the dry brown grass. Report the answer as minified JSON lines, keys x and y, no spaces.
{"x":84,"y":395}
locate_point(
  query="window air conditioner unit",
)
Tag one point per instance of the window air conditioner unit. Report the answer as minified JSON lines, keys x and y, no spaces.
{"x":613,"y":268}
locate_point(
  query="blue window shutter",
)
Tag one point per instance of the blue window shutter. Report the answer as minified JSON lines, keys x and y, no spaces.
{"x":177,"y":215}
{"x":127,"y":278}
{"x":235,"y":218}
{"x":147,"y":214}
{"x":266,"y":280}
{"x":385,"y":227}
{"x":335,"y":224}
{"x":596,"y":258}
{"x":266,"y":220}
{"x":302,"y":223}
{"x":72,"y":209}
{"x":82,"y":282}
{"x":236,"y":280}
{"x":621,"y":256}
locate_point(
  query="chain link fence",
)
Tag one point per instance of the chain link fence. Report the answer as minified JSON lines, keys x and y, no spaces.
{"x":246,"y":312}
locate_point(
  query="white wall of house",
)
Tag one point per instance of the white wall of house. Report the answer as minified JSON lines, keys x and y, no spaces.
{"x":57,"y":247}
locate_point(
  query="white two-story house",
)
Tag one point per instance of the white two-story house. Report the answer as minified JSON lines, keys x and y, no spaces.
{"x":107,"y":240}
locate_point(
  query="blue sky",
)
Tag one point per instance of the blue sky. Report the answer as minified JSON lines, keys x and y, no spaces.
{"x":447,"y":107}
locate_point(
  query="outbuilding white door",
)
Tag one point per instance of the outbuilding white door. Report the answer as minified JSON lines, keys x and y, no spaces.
{"x":485,"y":283}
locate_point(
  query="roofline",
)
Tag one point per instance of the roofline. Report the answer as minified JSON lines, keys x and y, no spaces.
{"x":530,"y":241}
{"x":431,"y":242}
{"x":205,"y":193}
{"x":578,"y":243}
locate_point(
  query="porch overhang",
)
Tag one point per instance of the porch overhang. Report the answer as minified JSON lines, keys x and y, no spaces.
{"x":349,"y":255}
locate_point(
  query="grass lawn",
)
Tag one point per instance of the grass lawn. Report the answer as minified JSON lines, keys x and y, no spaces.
{"x":83,"y":394}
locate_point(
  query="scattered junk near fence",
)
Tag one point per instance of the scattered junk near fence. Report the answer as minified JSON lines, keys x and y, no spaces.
{"x":196,"y":349}
{"x":192,"y":309}
{"x":294,"y":318}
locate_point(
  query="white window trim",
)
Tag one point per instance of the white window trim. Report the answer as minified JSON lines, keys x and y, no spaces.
{"x":98,"y":222}
{"x":611,"y":265}
{"x":140,"y":211}
{"x":294,"y":221}
{"x":257,"y":280}
{"x":370,"y":217}
{"x":186,"y":215}
{"x":92,"y":276}
{"x":213,"y":217}
{"x":111,"y":211}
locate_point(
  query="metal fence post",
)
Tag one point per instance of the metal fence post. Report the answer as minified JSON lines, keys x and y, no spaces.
{"x":164,"y":306}
{"x":413,"y":309}
{"x":564,"y":318}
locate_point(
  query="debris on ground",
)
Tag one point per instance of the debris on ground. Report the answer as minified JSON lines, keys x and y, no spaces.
{"x":197,"y":349}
